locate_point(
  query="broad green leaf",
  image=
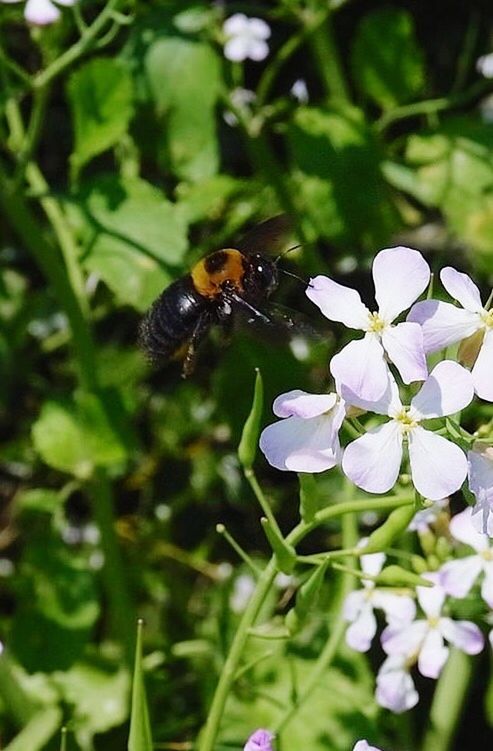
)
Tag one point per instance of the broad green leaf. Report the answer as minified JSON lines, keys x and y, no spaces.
{"x":39,"y":500}
{"x":140,"y":738}
{"x":100,"y":96}
{"x":387,"y":63}
{"x":132,"y":235}
{"x":337,"y":169}
{"x":78,"y":435}
{"x":38,"y":731}
{"x":247,"y":450}
{"x":183,"y":77}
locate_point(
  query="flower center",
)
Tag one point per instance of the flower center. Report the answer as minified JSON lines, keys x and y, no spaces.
{"x":405,"y":420}
{"x":487,"y":555}
{"x":487,"y":318}
{"x":433,"y":621}
{"x":376,"y":324}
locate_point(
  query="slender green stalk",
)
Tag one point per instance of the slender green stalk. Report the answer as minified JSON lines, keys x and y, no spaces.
{"x":261,"y":498}
{"x":329,"y":64}
{"x":272,"y":70}
{"x":448,"y":702}
{"x":19,"y":706}
{"x":221,"y":530}
{"x":226,"y":679}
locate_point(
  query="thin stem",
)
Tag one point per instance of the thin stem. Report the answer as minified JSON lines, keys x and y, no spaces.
{"x":272,"y":71}
{"x":86,"y":41}
{"x":33,"y":134}
{"x":448,"y":702}
{"x":221,"y":530}
{"x":261,"y":498}
{"x":329,"y":64}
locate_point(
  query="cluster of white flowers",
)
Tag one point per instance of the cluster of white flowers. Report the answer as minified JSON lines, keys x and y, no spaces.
{"x":307,"y":438}
{"x":41,"y":12}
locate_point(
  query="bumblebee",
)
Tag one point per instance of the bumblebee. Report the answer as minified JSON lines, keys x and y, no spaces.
{"x":223,"y":285}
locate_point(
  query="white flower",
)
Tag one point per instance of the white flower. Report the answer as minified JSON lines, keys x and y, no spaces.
{"x":428,"y":516}
{"x":242,"y":99}
{"x":457,"y":577}
{"x":395,"y":687}
{"x":360,"y":369}
{"x":42,"y":12}
{"x":307,"y":440}
{"x":246,"y":38}
{"x":359,"y":605}
{"x":438,"y":466}
{"x":299,"y":91}
{"x":484,"y":65}
{"x":424,"y":638}
{"x":364,"y":746}
{"x":444,"y":324}
{"x":243,"y":588}
{"x":480,"y":469}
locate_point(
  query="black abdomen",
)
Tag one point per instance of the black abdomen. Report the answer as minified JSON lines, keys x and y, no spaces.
{"x":172,"y":318}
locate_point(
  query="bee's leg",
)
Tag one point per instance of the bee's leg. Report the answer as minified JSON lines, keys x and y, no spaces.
{"x":245,"y":306}
{"x":198,"y":333}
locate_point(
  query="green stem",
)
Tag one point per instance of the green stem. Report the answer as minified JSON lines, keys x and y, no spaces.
{"x":18,"y":704}
{"x":261,"y":498}
{"x":448,"y":702}
{"x":84,"y":44}
{"x":329,"y":64}
{"x":272,"y":71}
{"x":226,"y":679}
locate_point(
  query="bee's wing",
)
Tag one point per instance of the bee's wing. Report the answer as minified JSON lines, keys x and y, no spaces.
{"x":268,"y":237}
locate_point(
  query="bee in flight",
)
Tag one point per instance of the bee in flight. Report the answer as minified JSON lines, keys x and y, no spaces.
{"x":223,"y":285}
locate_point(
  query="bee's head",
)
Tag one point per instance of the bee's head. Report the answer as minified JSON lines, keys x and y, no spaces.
{"x":262,"y":277}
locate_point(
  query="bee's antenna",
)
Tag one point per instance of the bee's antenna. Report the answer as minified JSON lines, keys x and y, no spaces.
{"x":289,"y":273}
{"x":285,"y":252}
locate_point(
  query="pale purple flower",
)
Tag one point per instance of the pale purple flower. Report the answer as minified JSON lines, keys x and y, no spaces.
{"x":484,"y":65}
{"x":359,"y":606}
{"x":427,"y":516}
{"x":458,"y":576}
{"x":42,"y":12}
{"x":364,"y":746}
{"x":260,"y":740}
{"x":480,"y":468}
{"x":395,"y":687}
{"x":438,"y":466}
{"x":299,"y":91}
{"x":444,"y":324}
{"x":424,"y":638}
{"x":245,"y":38}
{"x":307,"y":439}
{"x":400,"y":276}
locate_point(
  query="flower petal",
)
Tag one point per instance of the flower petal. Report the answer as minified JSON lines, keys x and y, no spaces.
{"x":41,"y":12}
{"x":258,"y":50}
{"x":433,"y":654}
{"x":299,"y":403}
{"x":360,"y":633}
{"x":354,"y":604}
{"x":462,"y":288}
{"x":261,"y":740}
{"x":448,"y":389}
{"x":457,"y":577}
{"x":395,"y":687}
{"x":431,"y":599}
{"x":438,"y":466}
{"x":364,"y":746}
{"x":338,"y":303}
{"x":235,"y":24}
{"x":463,"y":530}
{"x":373,"y":461}
{"x":259,"y":28}
{"x":442,"y":323}
{"x":299,"y":445}
{"x":480,"y":464}
{"x":372,"y":563}
{"x":236,"y":49}
{"x":404,"y":639}
{"x":482,"y":372}
{"x":404,"y":346}
{"x":398,"y":609}
{"x":360,"y":370}
{"x":464,"y":635}
{"x":400,"y":275}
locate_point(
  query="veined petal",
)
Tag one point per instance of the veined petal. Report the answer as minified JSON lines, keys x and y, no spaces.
{"x":373,"y":461}
{"x":360,"y":633}
{"x":372,"y":563}
{"x":442,"y":323}
{"x":397,"y":608}
{"x":41,"y":12}
{"x":338,"y":303}
{"x":404,"y":639}
{"x":457,"y":577}
{"x":438,"y":466}
{"x":463,"y":530}
{"x":400,"y":275}
{"x":448,"y":389}
{"x":299,"y":445}
{"x":464,"y":635}
{"x":431,"y":599}
{"x":462,"y":288}
{"x":299,"y":403}
{"x":404,"y":346}
{"x":480,"y":469}
{"x":433,"y":654}
{"x":482,"y":372}
{"x":353,"y":605}
{"x":395,"y":687}
{"x":360,"y":370}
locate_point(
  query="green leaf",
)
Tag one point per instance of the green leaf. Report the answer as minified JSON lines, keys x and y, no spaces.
{"x":337,"y":171}
{"x":140,"y":738}
{"x":77,"y":435}
{"x":306,"y":598}
{"x":38,"y":731}
{"x":100,"y":94}
{"x":184,"y":80}
{"x":133,"y":237}
{"x":285,"y":553}
{"x":247,"y":449}
{"x":387,"y":63}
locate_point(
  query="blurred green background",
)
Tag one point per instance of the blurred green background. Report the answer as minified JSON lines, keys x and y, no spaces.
{"x":121,"y":165}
